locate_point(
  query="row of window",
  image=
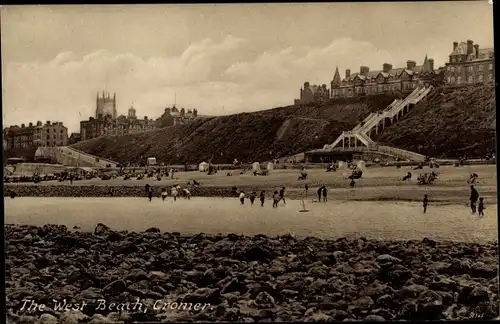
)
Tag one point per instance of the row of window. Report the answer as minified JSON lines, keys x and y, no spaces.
{"x":470,"y":79}
{"x":479,"y":67}
{"x":379,"y":88}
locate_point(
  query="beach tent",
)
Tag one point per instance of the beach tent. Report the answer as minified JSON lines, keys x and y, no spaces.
{"x":203,"y":167}
{"x":270,"y":166}
{"x":256,"y":166}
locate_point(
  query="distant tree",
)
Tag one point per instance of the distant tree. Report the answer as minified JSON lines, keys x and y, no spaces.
{"x":183,"y":112}
{"x":195,"y":113}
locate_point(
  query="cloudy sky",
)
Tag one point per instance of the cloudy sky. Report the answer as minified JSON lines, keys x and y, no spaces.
{"x":220,"y":59}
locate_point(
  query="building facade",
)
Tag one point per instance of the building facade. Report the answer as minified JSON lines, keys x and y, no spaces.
{"x":469,"y":64}
{"x":312,"y":93}
{"x":386,"y":80}
{"x":105,"y":125}
{"x":48,"y":134}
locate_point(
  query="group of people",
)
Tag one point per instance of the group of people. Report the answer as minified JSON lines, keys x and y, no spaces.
{"x":176,"y":191}
{"x":277,"y":197}
{"x":473,"y":199}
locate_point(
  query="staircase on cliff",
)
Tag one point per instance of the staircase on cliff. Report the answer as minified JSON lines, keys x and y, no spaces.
{"x":359,"y":138}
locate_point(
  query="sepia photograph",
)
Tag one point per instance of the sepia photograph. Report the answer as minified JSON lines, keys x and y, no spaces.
{"x":249,"y":162}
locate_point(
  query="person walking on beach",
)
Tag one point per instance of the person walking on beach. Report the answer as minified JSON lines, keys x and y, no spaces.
{"x":474,"y":195}
{"x":164,"y":193}
{"x":242,"y":197}
{"x":276,"y":199}
{"x":187,"y":194}
{"x":426,"y":203}
{"x":319,"y":193}
{"x":480,"y":207}
{"x":325,"y":193}
{"x":174,"y":192}
{"x":306,"y":187}
{"x":262,"y":198}
{"x":150,"y":193}
{"x":282,"y":195}
{"x":252,"y":197}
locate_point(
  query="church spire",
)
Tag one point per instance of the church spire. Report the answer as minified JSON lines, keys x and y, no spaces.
{"x":425,"y":65}
{"x":336,"y":77}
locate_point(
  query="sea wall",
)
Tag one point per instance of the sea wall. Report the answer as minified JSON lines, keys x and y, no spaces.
{"x":66,"y":190}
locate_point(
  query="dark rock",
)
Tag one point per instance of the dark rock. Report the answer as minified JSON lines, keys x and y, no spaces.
{"x":115,"y":288}
{"x":374,"y":318}
{"x":101,"y":229}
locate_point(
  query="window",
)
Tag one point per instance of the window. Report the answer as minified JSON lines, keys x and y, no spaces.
{"x":480,"y":78}
{"x":459,"y":80}
{"x":480,"y":67}
{"x":469,"y":79}
{"x":452,"y":79}
{"x":452,"y":69}
{"x":490,"y":77}
{"x":491,"y":66}
{"x":470,"y":68}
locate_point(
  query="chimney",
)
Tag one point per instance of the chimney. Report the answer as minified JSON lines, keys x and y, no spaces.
{"x":145,"y":117}
{"x":363,"y":70}
{"x":410,"y":64}
{"x":470,"y":47}
{"x":48,"y":122}
{"x":455,"y":45}
{"x":31,"y":124}
{"x":22,"y":125}
{"x":387,"y":67}
{"x":39,"y":123}
{"x":431,"y":64}
{"x":476,"y":50}
{"x":347,"y":73}
{"x":306,"y":85}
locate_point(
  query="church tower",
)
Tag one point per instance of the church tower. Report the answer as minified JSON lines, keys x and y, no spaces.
{"x":131,"y":113}
{"x":106,"y":106}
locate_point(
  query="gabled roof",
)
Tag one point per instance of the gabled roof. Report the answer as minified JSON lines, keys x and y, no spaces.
{"x":485,"y":52}
{"x":461,"y":49}
{"x":336,"y":76}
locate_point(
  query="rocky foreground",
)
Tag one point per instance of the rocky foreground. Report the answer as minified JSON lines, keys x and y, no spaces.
{"x":152,"y":276}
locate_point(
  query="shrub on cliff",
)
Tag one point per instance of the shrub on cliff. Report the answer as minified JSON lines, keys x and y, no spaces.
{"x":450,"y":122}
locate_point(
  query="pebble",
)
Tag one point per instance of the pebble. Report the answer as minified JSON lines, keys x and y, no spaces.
{"x":248,"y":279}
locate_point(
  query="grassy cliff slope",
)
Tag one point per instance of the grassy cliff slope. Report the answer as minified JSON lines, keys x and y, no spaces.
{"x":248,"y":137}
{"x":450,"y":122}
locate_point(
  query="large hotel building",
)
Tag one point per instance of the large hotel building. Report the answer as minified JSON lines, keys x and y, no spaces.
{"x":470,"y":64}
{"x":467,"y":64}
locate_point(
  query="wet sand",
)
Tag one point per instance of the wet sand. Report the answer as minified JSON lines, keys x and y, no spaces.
{"x":375,"y":220}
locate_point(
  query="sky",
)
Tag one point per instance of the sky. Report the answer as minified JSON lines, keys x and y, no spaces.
{"x":220,"y":59}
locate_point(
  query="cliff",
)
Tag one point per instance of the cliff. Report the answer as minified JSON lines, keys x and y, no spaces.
{"x":248,"y":137}
{"x":449,"y":122}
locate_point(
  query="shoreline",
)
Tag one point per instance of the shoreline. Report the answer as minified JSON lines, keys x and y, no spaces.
{"x":246,"y":278}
